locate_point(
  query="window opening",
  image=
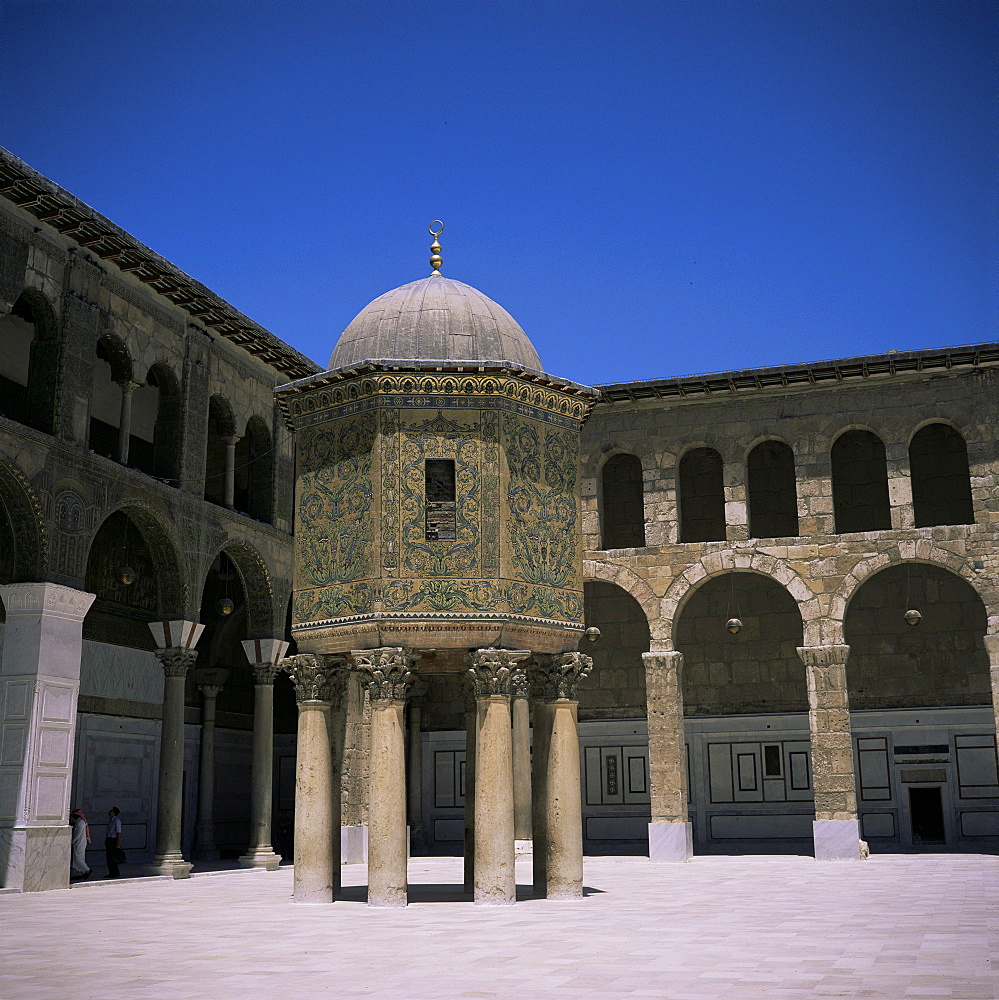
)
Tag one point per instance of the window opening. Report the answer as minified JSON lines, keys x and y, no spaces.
{"x":439,"y":483}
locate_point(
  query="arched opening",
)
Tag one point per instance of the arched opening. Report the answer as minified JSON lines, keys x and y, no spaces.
{"x":941,"y":481}
{"x":221,"y":658}
{"x":622,"y":502}
{"x":941,"y":662}
{"x":112,"y":371}
{"x":221,"y":426}
{"x":923,"y":723}
{"x":29,"y":355}
{"x":860,"y":483}
{"x":161,"y":456}
{"x":755,"y":670}
{"x":772,"y":491}
{"x":702,"y":496}
{"x":22,"y":534}
{"x":126,"y":602}
{"x":253,"y":478}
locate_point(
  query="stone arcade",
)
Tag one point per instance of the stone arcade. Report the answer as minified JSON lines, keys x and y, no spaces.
{"x":325,"y":626}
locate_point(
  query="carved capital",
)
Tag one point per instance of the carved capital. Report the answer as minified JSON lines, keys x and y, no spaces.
{"x":824,"y":656}
{"x":314,"y":676}
{"x":520,"y":684}
{"x":493,"y":671}
{"x":557,"y":676}
{"x":210,"y":680}
{"x":264,"y":673}
{"x":177,"y":660}
{"x":387,"y":672}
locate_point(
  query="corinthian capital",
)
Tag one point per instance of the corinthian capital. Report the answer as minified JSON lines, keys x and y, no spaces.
{"x":314,"y":676}
{"x":386,"y":671}
{"x":495,"y":671}
{"x":176,"y":660}
{"x":558,"y":676}
{"x":264,"y":673}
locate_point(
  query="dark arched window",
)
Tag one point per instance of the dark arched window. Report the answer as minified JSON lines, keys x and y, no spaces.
{"x":773,"y":497}
{"x":623,"y":506}
{"x":941,"y":482}
{"x":221,"y":427}
{"x":166,"y":436}
{"x":254,"y":478}
{"x":702,"y":496}
{"x":29,"y":358}
{"x":112,"y":371}
{"x":860,"y":483}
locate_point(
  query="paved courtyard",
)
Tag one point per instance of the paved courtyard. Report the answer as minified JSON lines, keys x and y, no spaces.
{"x":719,"y":927}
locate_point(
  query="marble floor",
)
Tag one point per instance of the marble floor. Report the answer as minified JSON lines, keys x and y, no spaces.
{"x":738,"y":928}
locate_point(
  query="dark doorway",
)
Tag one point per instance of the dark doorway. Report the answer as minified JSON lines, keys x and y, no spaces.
{"x":926,"y":814}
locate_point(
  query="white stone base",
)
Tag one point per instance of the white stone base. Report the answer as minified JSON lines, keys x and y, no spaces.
{"x":35,"y":859}
{"x":354,"y":845}
{"x":523,"y":848}
{"x":837,"y":839}
{"x":671,"y":843}
{"x":171,"y":864}
{"x":261,"y":857}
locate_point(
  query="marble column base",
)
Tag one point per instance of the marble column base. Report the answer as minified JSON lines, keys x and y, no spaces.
{"x":261,"y":857}
{"x":35,"y":859}
{"x":354,"y":845}
{"x":171,"y":864}
{"x":837,"y":840}
{"x":523,"y":848}
{"x":671,"y":843}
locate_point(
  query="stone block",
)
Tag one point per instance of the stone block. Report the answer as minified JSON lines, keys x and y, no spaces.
{"x":670,"y":843}
{"x":836,"y":839}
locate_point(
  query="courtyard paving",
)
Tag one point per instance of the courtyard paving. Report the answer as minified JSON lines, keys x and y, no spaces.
{"x":737,"y":928}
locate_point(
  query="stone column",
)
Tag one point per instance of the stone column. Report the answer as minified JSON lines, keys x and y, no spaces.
{"x":39,"y":686}
{"x":356,"y":758}
{"x":387,"y":673}
{"x":265,"y":655}
{"x":414,"y":762}
{"x":471,"y":734}
{"x":521,"y":712}
{"x":492,"y":674}
{"x":210,"y":681}
{"x":539,"y":784}
{"x":836,"y":829}
{"x":315,"y":858}
{"x":125,"y":418}
{"x":560,"y":677}
{"x":229,"y":486}
{"x":670,"y":833}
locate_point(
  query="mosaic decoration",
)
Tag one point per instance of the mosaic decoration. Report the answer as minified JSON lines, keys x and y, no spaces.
{"x":440,"y":437}
{"x":334,"y":517}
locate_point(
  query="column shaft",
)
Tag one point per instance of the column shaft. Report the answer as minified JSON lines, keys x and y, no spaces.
{"x":495,"y":876}
{"x":387,"y":855}
{"x":125,"y":420}
{"x":836,"y":830}
{"x":204,"y":829}
{"x":471,"y":734}
{"x":229,"y":486}
{"x":260,"y":853}
{"x":670,"y":838}
{"x":314,"y":856}
{"x":539,"y":794}
{"x":564,"y":825}
{"x":521,"y":711}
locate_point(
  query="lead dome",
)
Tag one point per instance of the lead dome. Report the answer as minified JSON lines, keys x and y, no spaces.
{"x":434,"y":318}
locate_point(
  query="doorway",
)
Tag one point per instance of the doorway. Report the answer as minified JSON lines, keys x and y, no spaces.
{"x":926,"y":816}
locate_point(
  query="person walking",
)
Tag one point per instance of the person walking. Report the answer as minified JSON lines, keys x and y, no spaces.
{"x":78,"y":867}
{"x":112,"y":842}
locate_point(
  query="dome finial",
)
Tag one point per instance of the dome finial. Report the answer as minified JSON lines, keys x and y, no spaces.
{"x":435,"y":248}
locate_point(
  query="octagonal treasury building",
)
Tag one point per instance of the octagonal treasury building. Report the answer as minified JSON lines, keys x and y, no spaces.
{"x":793,"y":572}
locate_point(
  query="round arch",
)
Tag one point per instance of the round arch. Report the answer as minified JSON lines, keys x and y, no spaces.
{"x":628,"y":580}
{"x":122,"y":369}
{"x":728,"y":561}
{"x":257,"y":587}
{"x":27,"y":525}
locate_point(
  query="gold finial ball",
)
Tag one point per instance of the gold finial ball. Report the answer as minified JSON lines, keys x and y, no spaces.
{"x":225,"y":606}
{"x":734,"y":626}
{"x":592,"y":634}
{"x":913,"y":617}
{"x":126,"y":575}
{"x":435,"y":229}
{"x":435,"y":261}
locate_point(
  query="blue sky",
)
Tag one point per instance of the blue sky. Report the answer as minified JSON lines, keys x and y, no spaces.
{"x":651,"y":189}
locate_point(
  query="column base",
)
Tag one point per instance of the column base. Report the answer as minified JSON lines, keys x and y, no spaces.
{"x":671,"y":843}
{"x":36,"y":859}
{"x":523,"y":848}
{"x":837,"y":840}
{"x":261,"y":857}
{"x":354,"y":845}
{"x":171,"y":864}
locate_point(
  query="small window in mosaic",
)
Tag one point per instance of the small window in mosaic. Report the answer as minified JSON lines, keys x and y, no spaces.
{"x":440,"y":492}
